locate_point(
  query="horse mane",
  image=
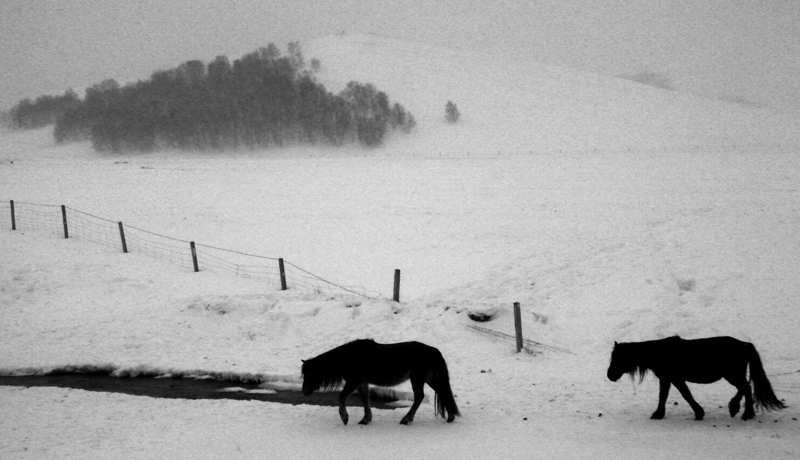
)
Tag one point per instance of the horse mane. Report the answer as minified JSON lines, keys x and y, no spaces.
{"x":639,"y":371}
{"x":328,"y":381}
{"x":635,"y":357}
{"x":329,"y":367}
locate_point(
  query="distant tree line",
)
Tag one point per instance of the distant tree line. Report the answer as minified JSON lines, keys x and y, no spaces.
{"x":44,"y":111}
{"x":260,"y":100}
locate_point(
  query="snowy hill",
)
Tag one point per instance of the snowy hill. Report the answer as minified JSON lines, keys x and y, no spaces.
{"x":692,"y":232}
{"x":514,"y":107}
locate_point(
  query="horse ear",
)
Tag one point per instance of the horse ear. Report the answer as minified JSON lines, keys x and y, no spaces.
{"x":303,"y":360}
{"x":615,"y":343}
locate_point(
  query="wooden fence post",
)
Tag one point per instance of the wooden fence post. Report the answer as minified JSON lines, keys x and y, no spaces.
{"x":13,"y":218}
{"x":122,"y":237}
{"x":518,"y":325}
{"x":396,"y":296}
{"x":283,"y":274}
{"x":64,"y":218}
{"x":194,"y":256}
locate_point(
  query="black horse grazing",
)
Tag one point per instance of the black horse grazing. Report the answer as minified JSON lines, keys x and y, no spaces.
{"x":676,"y":361}
{"x":362,"y":362}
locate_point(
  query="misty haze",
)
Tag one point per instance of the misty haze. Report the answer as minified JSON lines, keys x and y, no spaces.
{"x":179,"y":198}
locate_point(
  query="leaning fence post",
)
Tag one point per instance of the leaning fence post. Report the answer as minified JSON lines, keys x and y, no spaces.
{"x":518,"y":325}
{"x":13,"y":219}
{"x":283,"y":274}
{"x":194,"y":256}
{"x":64,"y":217}
{"x":396,"y":296}
{"x":122,"y":237}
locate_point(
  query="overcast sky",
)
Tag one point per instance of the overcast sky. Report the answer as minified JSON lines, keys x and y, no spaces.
{"x":740,"y":49}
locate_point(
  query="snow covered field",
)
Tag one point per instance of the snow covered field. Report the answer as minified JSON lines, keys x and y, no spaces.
{"x":611,"y":211}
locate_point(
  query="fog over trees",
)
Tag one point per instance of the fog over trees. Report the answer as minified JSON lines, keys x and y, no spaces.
{"x":44,"y":111}
{"x":262,"y":100}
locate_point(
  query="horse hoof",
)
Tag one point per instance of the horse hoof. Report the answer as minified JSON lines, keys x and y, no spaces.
{"x":345,"y":420}
{"x":364,"y":422}
{"x":450,"y":419}
{"x":404,"y":422}
{"x":656,"y":416}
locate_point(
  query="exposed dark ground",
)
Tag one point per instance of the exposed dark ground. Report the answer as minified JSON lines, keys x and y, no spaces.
{"x":180,"y":388}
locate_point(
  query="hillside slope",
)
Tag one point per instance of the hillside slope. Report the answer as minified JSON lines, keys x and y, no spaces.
{"x":597,"y":247}
{"x":523,"y":106}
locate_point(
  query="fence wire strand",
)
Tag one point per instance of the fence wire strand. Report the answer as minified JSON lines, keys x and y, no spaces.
{"x":47,"y":218}
{"x":165,"y":249}
{"x":87,"y":227}
{"x":40,"y":218}
{"x":239,"y":264}
{"x":5,"y":215}
{"x":317,"y":284}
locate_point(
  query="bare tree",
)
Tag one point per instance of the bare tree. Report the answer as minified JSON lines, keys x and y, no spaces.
{"x":451,"y":112}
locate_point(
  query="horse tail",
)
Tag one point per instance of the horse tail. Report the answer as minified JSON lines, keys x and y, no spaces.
{"x":444,"y":399}
{"x":763,"y":395}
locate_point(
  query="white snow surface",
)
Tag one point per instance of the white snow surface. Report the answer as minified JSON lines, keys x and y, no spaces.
{"x":609,"y":210}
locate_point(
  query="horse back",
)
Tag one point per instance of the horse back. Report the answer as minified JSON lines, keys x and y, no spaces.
{"x":395,"y":363}
{"x":703,"y":360}
{"x":713,"y":348}
{"x":407,"y":354}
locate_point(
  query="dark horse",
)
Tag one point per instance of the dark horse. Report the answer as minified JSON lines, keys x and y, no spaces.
{"x":361,"y":362}
{"x":676,"y":361}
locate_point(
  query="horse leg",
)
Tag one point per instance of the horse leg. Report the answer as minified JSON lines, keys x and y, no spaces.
{"x":349,"y":387}
{"x":749,"y":412}
{"x":418,"y":385}
{"x":699,"y":413}
{"x":363,"y":391}
{"x":743,"y":387}
{"x":663,"y":392}
{"x":734,"y":405}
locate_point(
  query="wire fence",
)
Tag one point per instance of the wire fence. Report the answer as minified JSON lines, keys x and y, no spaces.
{"x":66,"y":222}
